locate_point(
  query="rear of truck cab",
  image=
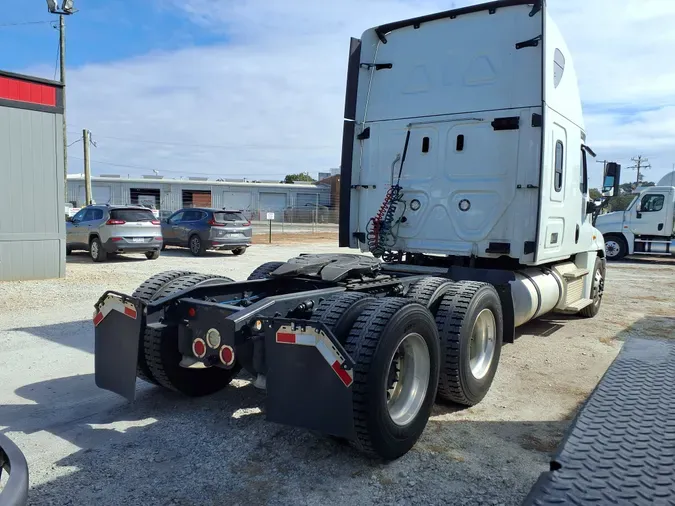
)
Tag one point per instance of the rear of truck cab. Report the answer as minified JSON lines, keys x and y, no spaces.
{"x":476,"y":115}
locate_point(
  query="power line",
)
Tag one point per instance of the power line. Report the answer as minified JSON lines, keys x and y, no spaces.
{"x":127,"y":166}
{"x":24,"y":23}
{"x":218,"y":146}
{"x":641,"y":163}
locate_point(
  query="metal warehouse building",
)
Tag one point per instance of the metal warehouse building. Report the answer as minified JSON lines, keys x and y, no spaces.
{"x":32,"y":228}
{"x":169,"y":195}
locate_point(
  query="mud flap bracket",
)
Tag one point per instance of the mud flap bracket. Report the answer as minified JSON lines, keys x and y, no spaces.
{"x":309,"y":378}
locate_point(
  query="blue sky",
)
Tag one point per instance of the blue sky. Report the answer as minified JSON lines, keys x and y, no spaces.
{"x":101,"y":31}
{"x":254,"y":88}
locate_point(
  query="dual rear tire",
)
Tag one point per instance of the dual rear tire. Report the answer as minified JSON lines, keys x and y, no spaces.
{"x":158,"y":354}
{"x":408,"y":352}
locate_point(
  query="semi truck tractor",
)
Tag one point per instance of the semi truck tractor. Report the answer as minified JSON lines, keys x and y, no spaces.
{"x":464,"y":188}
{"x":646,"y":227}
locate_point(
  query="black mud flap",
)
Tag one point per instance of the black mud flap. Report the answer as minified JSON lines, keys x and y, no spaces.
{"x":309,"y":378}
{"x":621,"y":446}
{"x":118,"y":321}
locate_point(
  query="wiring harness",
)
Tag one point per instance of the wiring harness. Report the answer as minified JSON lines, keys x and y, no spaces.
{"x":382,"y":229}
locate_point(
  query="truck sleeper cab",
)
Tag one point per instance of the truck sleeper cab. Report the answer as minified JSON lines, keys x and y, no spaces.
{"x":464,"y":176}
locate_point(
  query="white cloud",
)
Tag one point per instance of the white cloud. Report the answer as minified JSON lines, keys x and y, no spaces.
{"x":274,"y":93}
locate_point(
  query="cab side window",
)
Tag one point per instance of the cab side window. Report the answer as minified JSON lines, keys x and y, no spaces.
{"x":652,"y":203}
{"x":558,"y":176}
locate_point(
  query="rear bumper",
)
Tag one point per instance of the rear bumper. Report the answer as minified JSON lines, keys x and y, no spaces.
{"x":230,"y":243}
{"x":12,"y":460}
{"x":126,"y":245}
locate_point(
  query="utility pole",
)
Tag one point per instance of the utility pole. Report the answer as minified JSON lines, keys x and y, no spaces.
{"x":641,"y":164}
{"x":86,"y":138}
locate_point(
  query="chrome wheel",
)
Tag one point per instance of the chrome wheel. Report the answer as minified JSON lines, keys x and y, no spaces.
{"x":482,"y":346}
{"x":408,"y":379}
{"x":612,"y":248}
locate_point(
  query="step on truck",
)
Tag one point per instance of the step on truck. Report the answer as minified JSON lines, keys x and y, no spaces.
{"x":463,"y":184}
{"x":646,"y":227}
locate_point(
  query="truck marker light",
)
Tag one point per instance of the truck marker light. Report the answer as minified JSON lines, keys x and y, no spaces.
{"x":199,"y":347}
{"x":312,"y":337}
{"x":192,"y":312}
{"x":227,"y":355}
{"x":114,"y":304}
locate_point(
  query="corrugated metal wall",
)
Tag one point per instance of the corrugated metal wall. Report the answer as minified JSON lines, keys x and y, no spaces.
{"x":32,"y":224}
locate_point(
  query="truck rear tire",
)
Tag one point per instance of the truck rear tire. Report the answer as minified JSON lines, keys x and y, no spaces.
{"x":597,"y":291}
{"x":163,"y":357}
{"x":616,"y":247}
{"x":429,"y":291}
{"x":395,"y":347}
{"x":339,"y":312}
{"x":470,"y":324}
{"x":264,"y":271}
{"x":147,"y":292}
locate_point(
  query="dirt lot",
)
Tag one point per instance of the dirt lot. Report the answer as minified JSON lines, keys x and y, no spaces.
{"x":88,"y":446}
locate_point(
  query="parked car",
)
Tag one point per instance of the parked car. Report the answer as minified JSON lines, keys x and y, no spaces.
{"x":201,"y":229}
{"x":103,"y":230}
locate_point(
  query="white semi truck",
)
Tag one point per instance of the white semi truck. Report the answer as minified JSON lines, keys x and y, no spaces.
{"x":646,"y":227}
{"x":464,"y":179}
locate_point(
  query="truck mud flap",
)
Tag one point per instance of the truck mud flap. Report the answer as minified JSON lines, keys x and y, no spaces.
{"x":118,"y":321}
{"x":621,"y":447}
{"x":309,"y":378}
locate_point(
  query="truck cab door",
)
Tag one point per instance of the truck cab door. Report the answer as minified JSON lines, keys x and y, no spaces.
{"x":652,"y":215}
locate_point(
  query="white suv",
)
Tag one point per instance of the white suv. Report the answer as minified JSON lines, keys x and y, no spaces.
{"x":104,"y":230}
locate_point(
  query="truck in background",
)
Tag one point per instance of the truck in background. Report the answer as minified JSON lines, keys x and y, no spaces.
{"x":646,"y":227}
{"x":464,"y":175}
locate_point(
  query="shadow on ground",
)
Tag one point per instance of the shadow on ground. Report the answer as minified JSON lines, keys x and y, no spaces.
{"x":166,"y":449}
{"x":78,"y":334}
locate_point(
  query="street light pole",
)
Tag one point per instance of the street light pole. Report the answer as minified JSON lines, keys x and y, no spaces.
{"x":62,"y":66}
{"x":66,"y":10}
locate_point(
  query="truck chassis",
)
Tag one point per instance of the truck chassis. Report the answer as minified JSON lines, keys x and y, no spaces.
{"x":343,"y":344}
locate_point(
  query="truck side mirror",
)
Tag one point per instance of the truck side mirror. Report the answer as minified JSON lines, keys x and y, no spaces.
{"x":612,"y":178}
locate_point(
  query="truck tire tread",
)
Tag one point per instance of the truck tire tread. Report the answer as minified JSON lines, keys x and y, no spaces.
{"x":362,"y":345}
{"x":429,"y":291}
{"x":339,"y":312}
{"x":147,"y":292}
{"x":450,"y":319}
{"x":264,"y":270}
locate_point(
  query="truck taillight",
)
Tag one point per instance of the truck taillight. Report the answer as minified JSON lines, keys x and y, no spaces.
{"x":115,"y":222}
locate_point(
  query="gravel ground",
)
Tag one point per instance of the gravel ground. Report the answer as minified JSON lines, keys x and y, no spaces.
{"x":88,"y":446}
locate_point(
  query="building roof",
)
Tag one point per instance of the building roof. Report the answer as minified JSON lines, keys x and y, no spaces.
{"x":190,"y":182}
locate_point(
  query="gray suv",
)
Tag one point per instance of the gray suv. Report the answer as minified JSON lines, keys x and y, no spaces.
{"x":102,"y":230}
{"x":202,"y":228}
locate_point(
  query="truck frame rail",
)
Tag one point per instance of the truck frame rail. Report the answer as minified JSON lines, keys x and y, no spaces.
{"x":621,"y":446}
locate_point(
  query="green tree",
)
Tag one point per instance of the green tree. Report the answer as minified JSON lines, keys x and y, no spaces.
{"x":595,"y":194}
{"x":303,"y":176}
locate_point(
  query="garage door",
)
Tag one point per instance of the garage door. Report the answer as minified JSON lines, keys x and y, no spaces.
{"x":100,"y":194}
{"x":237,"y":200}
{"x":272,"y":201}
{"x":302,"y":199}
